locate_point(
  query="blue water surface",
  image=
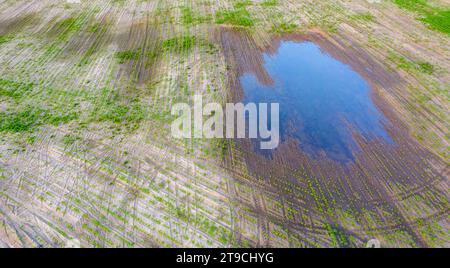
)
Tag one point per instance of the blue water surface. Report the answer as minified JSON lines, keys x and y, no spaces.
{"x":322,"y":100}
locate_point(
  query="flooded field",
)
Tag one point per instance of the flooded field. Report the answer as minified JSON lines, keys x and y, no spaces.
{"x":343,"y":146}
{"x":322,"y":101}
{"x":86,"y":151}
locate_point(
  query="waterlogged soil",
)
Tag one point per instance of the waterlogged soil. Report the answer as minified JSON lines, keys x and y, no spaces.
{"x":322,"y":101}
{"x":343,"y":147}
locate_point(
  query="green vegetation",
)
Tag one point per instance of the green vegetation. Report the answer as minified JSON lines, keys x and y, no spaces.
{"x":72,"y":24}
{"x":118,"y":2}
{"x":68,"y":26}
{"x":242,"y":4}
{"x":367,"y":17}
{"x":5,"y":39}
{"x":13,"y":89}
{"x":411,"y":5}
{"x":188,"y":17}
{"x":123,"y":56}
{"x":112,"y":109}
{"x":121,"y":113}
{"x":94,"y":28}
{"x":51,"y":50}
{"x":179,"y":43}
{"x":425,"y":67}
{"x":435,"y":18}
{"x":33,"y":113}
{"x":70,"y":139}
{"x":269,"y":3}
{"x":239,"y":16}
{"x":284,"y":27}
{"x":409,"y":65}
{"x":133,"y":55}
{"x":19,"y":121}
{"x":182,"y":43}
{"x":438,"y":21}
{"x":29,"y":117}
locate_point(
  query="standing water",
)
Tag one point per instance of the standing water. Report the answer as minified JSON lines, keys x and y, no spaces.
{"x":322,"y":101}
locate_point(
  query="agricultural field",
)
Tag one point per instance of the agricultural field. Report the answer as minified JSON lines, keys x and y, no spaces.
{"x":86,"y":151}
